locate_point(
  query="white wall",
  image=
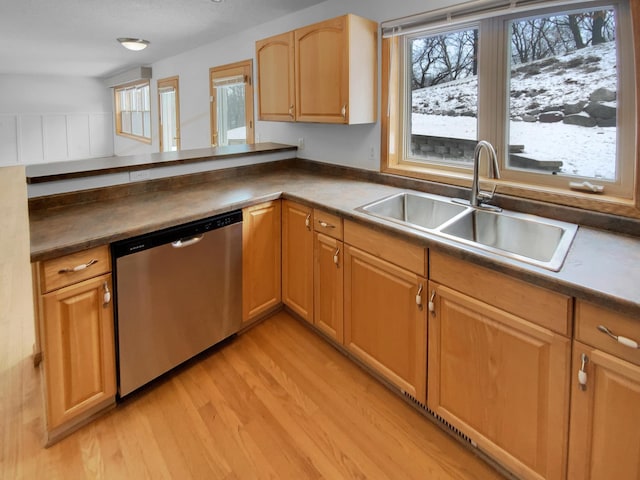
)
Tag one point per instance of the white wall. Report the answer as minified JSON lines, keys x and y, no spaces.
{"x":54,"y":118}
{"x":51,"y":105}
{"x":340,"y":144}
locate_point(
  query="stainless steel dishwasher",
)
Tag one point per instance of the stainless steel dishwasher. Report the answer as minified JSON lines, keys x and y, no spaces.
{"x":178,"y":291}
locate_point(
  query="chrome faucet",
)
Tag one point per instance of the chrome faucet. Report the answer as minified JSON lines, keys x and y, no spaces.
{"x":478,"y":197}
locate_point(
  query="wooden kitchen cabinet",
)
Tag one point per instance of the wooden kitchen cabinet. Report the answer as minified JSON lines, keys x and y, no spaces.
{"x":261,"y":269}
{"x":297,"y":258}
{"x":75,"y":328}
{"x":333,"y":65}
{"x":384,"y":307}
{"x":79,"y":350}
{"x":276,"y":81}
{"x":500,"y":379}
{"x":328,"y":275}
{"x":604,"y":438}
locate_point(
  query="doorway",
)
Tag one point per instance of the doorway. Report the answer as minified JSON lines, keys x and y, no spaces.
{"x":231,"y":104}
{"x":169,"y":114}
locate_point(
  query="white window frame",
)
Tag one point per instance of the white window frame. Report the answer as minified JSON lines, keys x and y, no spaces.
{"x":620,"y":197}
{"x":130,"y":89}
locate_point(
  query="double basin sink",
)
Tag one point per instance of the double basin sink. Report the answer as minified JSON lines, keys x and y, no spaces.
{"x":527,"y":238}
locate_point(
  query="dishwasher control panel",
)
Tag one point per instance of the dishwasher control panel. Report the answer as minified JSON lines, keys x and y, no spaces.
{"x":171,"y":234}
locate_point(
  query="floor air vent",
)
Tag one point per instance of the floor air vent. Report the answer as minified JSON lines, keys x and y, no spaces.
{"x":439,"y":419}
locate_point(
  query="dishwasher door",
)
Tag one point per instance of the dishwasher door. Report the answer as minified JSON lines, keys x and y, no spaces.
{"x":177,"y":294}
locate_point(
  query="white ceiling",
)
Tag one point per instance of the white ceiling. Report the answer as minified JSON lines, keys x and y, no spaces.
{"x":78,"y":37}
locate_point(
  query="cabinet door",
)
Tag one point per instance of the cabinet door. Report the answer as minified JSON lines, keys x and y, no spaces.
{"x":501,"y":380}
{"x":276,"y":82}
{"x":322,"y":72}
{"x":383,"y":325}
{"x":328,"y":286}
{"x":261,"y":288}
{"x":605,"y":417}
{"x":79,"y":352}
{"x":297,"y":258}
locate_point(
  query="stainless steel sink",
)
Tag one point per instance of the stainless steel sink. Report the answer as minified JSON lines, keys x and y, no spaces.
{"x":534,"y":240}
{"x":415,"y":210}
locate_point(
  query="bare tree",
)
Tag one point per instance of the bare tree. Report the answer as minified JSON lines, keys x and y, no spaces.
{"x":443,"y":58}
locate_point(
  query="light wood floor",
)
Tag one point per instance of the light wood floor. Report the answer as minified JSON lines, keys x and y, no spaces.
{"x":276,"y":402}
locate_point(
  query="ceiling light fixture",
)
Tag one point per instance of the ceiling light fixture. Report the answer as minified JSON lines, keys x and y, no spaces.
{"x":135,"y":44}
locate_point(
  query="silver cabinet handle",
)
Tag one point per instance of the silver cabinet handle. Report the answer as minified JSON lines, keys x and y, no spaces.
{"x":626,"y":341}
{"x":324,"y":224}
{"x":77,"y":268}
{"x":336,"y":258}
{"x":307,"y":221}
{"x":106,"y":297}
{"x":582,"y":373}
{"x":182,"y":243}
{"x":419,"y":297}
{"x":344,"y":111}
{"x":291,"y":111}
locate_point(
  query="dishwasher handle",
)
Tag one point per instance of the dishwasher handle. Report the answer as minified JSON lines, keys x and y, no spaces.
{"x":187,"y":242}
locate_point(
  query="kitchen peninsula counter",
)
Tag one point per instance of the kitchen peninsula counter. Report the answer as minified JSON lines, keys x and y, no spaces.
{"x":600,"y":267}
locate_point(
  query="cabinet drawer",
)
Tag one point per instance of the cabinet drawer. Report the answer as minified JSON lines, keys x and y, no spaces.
{"x":393,"y":249}
{"x":327,"y":223}
{"x":589,"y":317}
{"x":73,"y":268}
{"x":536,"y":304}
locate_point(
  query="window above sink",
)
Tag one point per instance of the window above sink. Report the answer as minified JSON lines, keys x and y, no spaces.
{"x":537,"y":82}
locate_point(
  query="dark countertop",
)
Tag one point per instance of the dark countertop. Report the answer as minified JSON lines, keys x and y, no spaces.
{"x":601,"y":267}
{"x":48,"y":172}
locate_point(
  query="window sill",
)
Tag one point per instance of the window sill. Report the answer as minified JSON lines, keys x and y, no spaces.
{"x":600,"y":203}
{"x":135,"y":137}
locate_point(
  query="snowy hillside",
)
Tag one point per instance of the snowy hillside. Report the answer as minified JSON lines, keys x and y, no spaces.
{"x":562,"y":84}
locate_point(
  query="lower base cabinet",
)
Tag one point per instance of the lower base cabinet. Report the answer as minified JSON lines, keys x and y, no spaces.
{"x":605,"y":417}
{"x":79,"y":354}
{"x":297,"y":258}
{"x":261,"y":254}
{"x":501,"y":380}
{"x":604,"y":439}
{"x":328,"y":286}
{"x":384,"y":327}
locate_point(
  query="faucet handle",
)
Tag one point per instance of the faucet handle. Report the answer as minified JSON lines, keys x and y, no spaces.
{"x":485,"y":196}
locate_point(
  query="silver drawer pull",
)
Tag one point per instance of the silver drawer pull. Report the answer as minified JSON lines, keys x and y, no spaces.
{"x":307,"y":221}
{"x":627,"y":342}
{"x":324,"y":224}
{"x":78,"y":268}
{"x":182,"y":243}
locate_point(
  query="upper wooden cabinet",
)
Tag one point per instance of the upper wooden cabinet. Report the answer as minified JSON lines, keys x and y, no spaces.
{"x":276,"y":82}
{"x":325,"y":73}
{"x":297,"y":258}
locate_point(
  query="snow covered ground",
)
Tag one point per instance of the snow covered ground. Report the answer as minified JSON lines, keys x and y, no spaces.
{"x":568,"y":79}
{"x":582,"y":150}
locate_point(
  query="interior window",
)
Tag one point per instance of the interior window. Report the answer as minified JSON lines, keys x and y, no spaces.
{"x":133,"y":111}
{"x":552,"y":88}
{"x":231,"y":104}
